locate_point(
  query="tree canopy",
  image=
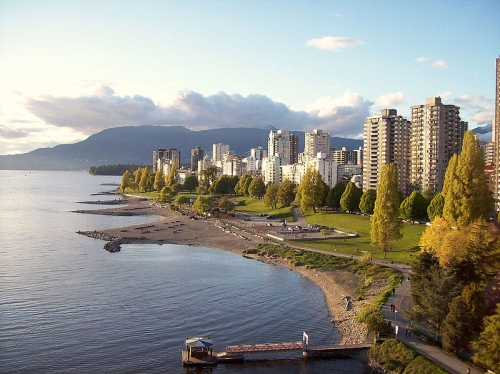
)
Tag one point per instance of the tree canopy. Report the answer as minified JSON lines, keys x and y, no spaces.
{"x":257,"y":188}
{"x":466,"y":194}
{"x":367,"y":202}
{"x":414,"y":207}
{"x":488,"y":344}
{"x":310,"y":190}
{"x":385,"y":223}
{"x":351,"y":197}
{"x":335,"y":194}
{"x":271,"y":196}
{"x":286,"y":192}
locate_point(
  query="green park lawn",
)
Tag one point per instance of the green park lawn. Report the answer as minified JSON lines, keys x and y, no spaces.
{"x":403,"y":250}
{"x":256,"y":206}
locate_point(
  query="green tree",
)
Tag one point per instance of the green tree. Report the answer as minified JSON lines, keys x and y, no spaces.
{"x":145,"y":183}
{"x":414,"y":207}
{"x":257,"y":187}
{"x":190,"y":183}
{"x":466,"y":194}
{"x":208,"y":176}
{"x":159,"y":182}
{"x":223,"y":186}
{"x":428,"y":194}
{"x":392,"y":355}
{"x":385,"y":223}
{"x":367,"y":202}
{"x":180,"y":200}
{"x":172,"y":174}
{"x":203,"y":204}
{"x":241,"y":187}
{"x":325,"y":232}
{"x":335,"y":194}
{"x":351,"y":197}
{"x":126,"y":181}
{"x":286,"y":192}
{"x":225,"y":204}
{"x":433,"y":288}
{"x":271,"y":196}
{"x":488,"y":344}
{"x":436,"y":206}
{"x":311,"y":189}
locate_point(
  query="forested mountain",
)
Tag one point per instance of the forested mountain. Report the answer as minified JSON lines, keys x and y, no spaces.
{"x":135,"y":145}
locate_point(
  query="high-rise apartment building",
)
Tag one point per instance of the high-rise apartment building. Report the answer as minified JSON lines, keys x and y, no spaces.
{"x":496,"y":138}
{"x":162,"y":155}
{"x":158,"y":155}
{"x":316,"y":142}
{"x":279,"y":145}
{"x":436,"y":134}
{"x":386,"y":140}
{"x":197,"y":154}
{"x":345,"y":156}
{"x":218,"y":152}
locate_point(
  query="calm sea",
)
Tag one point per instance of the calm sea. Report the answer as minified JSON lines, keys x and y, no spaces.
{"x":68,"y":306}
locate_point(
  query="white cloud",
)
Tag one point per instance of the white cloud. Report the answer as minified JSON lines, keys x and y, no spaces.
{"x":439,"y":64}
{"x":333,"y":43}
{"x":480,"y":109}
{"x":445,"y":94}
{"x":421,"y":59}
{"x":341,"y":116}
{"x":389,"y":100}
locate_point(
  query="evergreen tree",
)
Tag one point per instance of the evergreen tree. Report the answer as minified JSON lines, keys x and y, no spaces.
{"x":456,"y":329}
{"x":311,"y":190}
{"x":465,"y":192}
{"x":335,"y":194}
{"x":351,"y":197}
{"x":413,"y":207}
{"x":488,"y":344}
{"x":271,"y":196}
{"x":159,"y":180}
{"x":385,"y":223}
{"x":367,"y":202}
{"x":435,"y":208}
{"x":257,"y":188}
{"x":286,"y":192}
{"x":173,"y":174}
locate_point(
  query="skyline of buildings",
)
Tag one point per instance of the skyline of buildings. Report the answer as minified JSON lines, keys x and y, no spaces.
{"x":420,"y":147}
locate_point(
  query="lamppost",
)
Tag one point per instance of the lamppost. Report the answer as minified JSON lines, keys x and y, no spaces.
{"x":395,"y":315}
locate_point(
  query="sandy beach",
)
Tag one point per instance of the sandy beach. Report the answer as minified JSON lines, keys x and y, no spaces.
{"x":232,"y":235}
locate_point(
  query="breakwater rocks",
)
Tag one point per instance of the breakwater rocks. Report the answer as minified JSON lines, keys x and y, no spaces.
{"x":102,"y":212}
{"x":113,"y":242}
{"x":103,"y":202}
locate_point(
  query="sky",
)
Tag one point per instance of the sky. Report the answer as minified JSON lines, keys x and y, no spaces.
{"x":69,"y":69}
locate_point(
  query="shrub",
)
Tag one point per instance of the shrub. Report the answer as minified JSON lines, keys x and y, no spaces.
{"x":421,"y":365}
{"x":392,"y":355}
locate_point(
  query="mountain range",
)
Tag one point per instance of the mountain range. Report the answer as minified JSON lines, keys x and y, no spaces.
{"x":135,"y":145}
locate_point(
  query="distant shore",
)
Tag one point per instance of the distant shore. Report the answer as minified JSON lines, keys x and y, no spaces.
{"x":229,"y":235}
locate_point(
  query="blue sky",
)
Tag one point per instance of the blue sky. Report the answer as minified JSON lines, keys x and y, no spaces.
{"x":69,"y":69}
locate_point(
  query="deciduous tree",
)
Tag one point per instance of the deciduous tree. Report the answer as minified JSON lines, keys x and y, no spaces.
{"x":190,"y":183}
{"x":271,"y":196}
{"x":351,"y":197}
{"x":311,"y":189}
{"x":436,"y":206}
{"x":335,"y":194}
{"x":257,"y":187}
{"x":126,"y":181}
{"x":159,"y":182}
{"x":414,"y":207}
{"x":466,"y":194}
{"x":208,"y":176}
{"x":367,"y":202}
{"x":385,"y":223}
{"x":172,"y":174}
{"x":241,"y":187}
{"x":203,"y":204}
{"x":286,"y":192}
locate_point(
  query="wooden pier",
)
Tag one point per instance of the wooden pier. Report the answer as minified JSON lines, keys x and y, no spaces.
{"x":198,"y":351}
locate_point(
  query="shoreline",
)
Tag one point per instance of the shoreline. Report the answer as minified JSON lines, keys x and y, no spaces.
{"x":230,"y":235}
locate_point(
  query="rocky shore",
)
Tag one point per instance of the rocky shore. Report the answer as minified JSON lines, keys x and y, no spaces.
{"x":228,"y":235}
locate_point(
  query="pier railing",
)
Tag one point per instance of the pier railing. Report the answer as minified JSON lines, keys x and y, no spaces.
{"x":265,"y":347}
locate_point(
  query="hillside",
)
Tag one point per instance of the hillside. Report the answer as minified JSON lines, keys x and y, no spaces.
{"x":135,"y":145}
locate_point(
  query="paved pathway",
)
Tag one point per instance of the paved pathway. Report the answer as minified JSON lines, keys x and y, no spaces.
{"x":403,"y":301}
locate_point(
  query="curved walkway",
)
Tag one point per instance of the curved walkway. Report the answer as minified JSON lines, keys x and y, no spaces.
{"x":403,"y":301}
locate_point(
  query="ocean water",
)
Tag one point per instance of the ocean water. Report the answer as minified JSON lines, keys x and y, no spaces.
{"x":68,"y":306}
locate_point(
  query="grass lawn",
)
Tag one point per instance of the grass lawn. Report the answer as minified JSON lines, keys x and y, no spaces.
{"x":403,"y":250}
{"x":256,"y":207}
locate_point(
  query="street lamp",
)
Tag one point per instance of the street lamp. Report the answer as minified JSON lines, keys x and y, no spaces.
{"x":395,"y":315}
